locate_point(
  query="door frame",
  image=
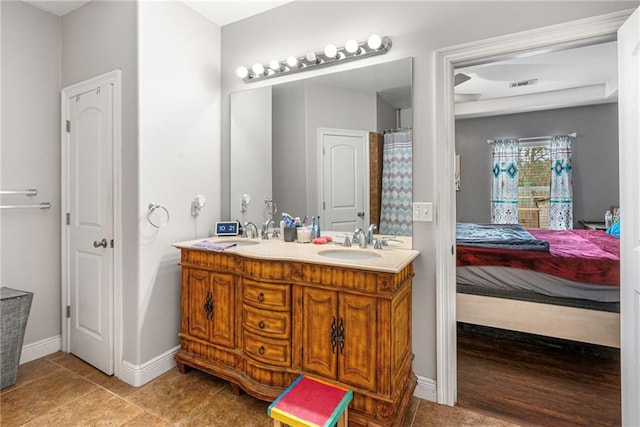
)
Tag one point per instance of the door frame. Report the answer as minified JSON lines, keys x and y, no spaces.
{"x":366,"y":169}
{"x":114,"y":78}
{"x":555,"y":37}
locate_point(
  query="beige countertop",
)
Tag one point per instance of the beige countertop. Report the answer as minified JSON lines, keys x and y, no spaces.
{"x":392,"y":258}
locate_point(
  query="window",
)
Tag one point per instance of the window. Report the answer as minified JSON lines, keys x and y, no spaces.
{"x":534,"y":181}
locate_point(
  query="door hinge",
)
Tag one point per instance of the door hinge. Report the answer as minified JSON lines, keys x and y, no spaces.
{"x":112,"y":243}
{"x":68,"y":218}
{"x":324,"y":206}
{"x":68,"y":311}
{"x":68,"y":126}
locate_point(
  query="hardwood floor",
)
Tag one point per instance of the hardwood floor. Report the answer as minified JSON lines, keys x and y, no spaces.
{"x":531,"y":380}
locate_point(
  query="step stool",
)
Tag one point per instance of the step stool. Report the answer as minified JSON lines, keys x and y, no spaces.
{"x":311,"y":402}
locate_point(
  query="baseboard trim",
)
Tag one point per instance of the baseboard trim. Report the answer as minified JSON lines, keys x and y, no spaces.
{"x":40,"y":348}
{"x":138,"y":375}
{"x":426,"y":389}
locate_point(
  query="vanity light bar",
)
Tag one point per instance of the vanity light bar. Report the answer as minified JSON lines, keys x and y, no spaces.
{"x":331,"y":55}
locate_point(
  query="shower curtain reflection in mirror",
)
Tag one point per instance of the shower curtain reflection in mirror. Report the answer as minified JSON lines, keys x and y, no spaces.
{"x":396,"y":211}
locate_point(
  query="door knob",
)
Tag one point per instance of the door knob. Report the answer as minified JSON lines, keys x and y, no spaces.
{"x":361,"y":214}
{"x":102,"y":243}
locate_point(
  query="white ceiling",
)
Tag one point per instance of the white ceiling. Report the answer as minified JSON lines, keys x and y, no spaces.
{"x":219,"y":12}
{"x":580,"y":76}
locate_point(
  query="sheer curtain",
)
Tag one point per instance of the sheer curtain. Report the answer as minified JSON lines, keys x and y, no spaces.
{"x":504,"y":182}
{"x":396,"y":214}
{"x":561,"y":204}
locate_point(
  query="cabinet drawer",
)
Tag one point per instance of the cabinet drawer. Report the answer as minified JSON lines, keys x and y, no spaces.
{"x":266,"y":350}
{"x":276,"y":324}
{"x":267,"y":295}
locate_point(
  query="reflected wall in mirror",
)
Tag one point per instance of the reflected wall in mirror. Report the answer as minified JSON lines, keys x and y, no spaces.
{"x":337,"y":145}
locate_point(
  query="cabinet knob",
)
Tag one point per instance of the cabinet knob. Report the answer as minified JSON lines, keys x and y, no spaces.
{"x":261,"y":297}
{"x":261,"y":324}
{"x":261,"y":349}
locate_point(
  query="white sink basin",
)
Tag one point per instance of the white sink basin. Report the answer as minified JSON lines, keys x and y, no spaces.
{"x":349,"y":254}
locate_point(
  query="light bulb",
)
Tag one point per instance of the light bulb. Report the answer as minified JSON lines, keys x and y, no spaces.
{"x":351,"y":46}
{"x":311,"y":57}
{"x":292,"y":61}
{"x":374,"y":42}
{"x":331,"y":51}
{"x":242,"y":72}
{"x":258,"y":68}
{"x":274,"y":65}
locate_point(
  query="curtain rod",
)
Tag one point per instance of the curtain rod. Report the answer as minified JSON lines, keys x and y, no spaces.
{"x":533,"y":138}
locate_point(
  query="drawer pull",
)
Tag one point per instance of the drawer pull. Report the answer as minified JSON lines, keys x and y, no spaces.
{"x":261,"y":324}
{"x":261,"y":349}
{"x":261,"y":297}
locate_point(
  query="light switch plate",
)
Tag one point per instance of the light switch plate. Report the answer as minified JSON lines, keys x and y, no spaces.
{"x":423,"y":211}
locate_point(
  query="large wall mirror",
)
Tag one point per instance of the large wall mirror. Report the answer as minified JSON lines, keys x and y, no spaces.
{"x":337,"y":145}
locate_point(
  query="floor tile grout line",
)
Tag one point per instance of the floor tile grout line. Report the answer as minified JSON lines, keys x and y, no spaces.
{"x":60,"y":406}
{"x":17,"y":386}
{"x":413,"y":417}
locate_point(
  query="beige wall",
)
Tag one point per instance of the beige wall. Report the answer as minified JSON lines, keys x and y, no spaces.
{"x":30,"y":158}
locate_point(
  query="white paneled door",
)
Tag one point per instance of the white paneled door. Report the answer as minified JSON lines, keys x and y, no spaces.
{"x":88,"y":191}
{"x":629,"y":128}
{"x":344,"y":179}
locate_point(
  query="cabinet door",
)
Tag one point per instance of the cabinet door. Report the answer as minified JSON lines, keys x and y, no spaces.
{"x":319,"y":310}
{"x":199,"y":291}
{"x":211,"y":307}
{"x":357,"y":361}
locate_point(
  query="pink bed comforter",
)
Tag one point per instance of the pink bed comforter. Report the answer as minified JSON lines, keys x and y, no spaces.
{"x":590,"y":256}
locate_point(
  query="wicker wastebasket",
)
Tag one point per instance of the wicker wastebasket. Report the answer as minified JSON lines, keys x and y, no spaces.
{"x":14,"y":312}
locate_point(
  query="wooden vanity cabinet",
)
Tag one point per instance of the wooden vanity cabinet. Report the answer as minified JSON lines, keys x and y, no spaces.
{"x":261,"y":323}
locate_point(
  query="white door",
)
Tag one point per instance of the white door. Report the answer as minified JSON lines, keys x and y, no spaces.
{"x":629,"y":128}
{"x":344,"y":182}
{"x":89,"y":195}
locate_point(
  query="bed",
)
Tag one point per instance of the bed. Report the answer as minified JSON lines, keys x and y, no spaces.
{"x":562,"y":284}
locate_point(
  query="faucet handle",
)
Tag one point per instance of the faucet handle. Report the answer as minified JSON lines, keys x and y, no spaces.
{"x":378,"y":244}
{"x":346,"y":242}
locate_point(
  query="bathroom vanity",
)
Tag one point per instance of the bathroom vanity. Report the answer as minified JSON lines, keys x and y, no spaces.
{"x":261,"y":313}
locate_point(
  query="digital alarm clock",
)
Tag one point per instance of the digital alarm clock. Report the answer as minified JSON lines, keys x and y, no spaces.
{"x":227,"y":228}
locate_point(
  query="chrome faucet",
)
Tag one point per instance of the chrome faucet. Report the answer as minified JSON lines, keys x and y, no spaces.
{"x":254,"y":232}
{"x":361,"y":236}
{"x":265,"y":228}
{"x":370,"y":233}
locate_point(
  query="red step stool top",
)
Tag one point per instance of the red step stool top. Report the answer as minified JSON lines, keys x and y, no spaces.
{"x":310,"y":402}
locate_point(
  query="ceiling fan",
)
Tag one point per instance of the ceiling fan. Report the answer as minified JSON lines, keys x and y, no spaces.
{"x":460,"y":78}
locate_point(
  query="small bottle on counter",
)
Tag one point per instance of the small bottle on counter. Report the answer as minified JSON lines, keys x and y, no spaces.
{"x":608,"y":219}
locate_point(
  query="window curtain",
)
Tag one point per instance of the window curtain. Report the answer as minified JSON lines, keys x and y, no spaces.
{"x":561,"y":204}
{"x":504,"y":182}
{"x":396,"y":214}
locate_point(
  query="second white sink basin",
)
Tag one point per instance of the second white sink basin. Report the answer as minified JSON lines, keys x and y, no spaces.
{"x":349,"y":254}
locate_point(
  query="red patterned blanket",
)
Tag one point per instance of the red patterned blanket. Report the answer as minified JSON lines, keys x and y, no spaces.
{"x":589,"y":256}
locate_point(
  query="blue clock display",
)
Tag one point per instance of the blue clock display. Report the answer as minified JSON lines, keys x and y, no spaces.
{"x":227,"y":228}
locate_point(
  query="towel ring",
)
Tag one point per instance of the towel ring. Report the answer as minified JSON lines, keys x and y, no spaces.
{"x":152,"y":208}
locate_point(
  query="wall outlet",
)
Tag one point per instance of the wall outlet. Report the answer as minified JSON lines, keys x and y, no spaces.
{"x":423,"y":211}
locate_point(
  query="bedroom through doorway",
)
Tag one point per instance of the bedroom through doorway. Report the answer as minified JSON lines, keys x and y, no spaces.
{"x":517,"y":376}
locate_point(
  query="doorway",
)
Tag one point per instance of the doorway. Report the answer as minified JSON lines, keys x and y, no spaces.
{"x":90,"y":202}
{"x":572,"y":34}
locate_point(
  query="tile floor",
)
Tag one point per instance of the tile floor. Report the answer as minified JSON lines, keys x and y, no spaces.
{"x":62,"y":390}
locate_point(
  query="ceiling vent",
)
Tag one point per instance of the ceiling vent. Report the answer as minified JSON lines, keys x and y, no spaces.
{"x":523,"y":83}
